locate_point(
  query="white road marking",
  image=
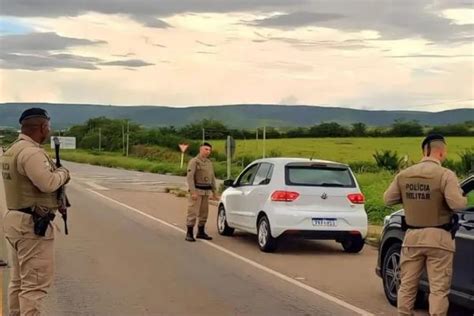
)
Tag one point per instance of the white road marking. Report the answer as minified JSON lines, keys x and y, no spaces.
{"x":96,"y":186}
{"x":246,"y":260}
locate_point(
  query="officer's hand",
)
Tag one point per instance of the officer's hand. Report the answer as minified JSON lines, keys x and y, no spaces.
{"x":194,"y":195}
{"x":65,"y":172}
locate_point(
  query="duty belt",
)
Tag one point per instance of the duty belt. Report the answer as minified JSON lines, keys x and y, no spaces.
{"x":203,"y":186}
{"x":446,"y":227}
{"x":26,"y":210}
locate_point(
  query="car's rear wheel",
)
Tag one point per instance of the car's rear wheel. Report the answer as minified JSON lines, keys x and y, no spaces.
{"x":265,"y":240}
{"x":353,"y":244}
{"x":391,"y":276}
{"x":222,"y":227}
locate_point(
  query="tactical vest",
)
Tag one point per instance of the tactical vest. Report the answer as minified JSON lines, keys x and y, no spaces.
{"x":19,"y":190}
{"x":204,"y":174}
{"x":422,"y":196}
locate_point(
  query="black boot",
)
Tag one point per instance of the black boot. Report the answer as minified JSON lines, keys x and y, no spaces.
{"x":189,"y":234}
{"x":202,"y":234}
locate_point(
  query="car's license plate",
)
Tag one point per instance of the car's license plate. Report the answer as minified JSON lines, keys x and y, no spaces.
{"x":325,"y":222}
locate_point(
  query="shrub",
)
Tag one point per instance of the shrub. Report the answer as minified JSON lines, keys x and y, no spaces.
{"x":274,"y":153}
{"x":218,"y":156}
{"x":467,"y":161}
{"x":245,"y":160}
{"x":388,"y":160}
{"x":364,"y":166}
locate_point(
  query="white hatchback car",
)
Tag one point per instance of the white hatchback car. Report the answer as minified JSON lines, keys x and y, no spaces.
{"x":315,"y":199}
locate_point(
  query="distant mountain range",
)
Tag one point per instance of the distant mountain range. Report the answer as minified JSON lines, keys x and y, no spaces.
{"x":235,"y":116}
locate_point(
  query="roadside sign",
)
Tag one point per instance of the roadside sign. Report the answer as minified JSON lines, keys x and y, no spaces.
{"x":66,"y":142}
{"x":183,"y":147}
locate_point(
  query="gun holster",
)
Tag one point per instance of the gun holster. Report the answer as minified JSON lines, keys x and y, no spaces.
{"x":41,"y":223}
{"x":454,"y":225}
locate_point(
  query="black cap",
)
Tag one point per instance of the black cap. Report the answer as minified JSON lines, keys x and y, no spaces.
{"x":32,"y":113}
{"x":431,"y":138}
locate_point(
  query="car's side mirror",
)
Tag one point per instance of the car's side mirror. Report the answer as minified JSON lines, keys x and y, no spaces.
{"x":229,"y":183}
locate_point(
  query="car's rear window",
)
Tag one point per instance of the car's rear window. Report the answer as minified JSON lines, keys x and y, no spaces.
{"x":319,"y":176}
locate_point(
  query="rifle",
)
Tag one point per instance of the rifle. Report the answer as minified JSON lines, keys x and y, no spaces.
{"x":61,"y":194}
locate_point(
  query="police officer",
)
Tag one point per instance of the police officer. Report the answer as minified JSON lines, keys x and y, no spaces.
{"x":31,"y":180}
{"x":201,"y":184}
{"x":430,"y":194}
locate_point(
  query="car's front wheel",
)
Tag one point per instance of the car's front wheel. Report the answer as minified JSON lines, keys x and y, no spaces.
{"x":391,"y":276}
{"x":265,"y":240}
{"x":222,"y":227}
{"x":353,"y":244}
{"x":391,"y":273}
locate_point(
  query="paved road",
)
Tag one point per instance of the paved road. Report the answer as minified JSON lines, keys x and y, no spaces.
{"x":126,"y":255}
{"x":118,"y":262}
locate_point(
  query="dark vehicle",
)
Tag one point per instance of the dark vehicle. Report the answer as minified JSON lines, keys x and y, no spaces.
{"x":462,"y":287}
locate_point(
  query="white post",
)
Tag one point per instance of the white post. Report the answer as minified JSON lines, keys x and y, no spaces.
{"x":128,"y":136}
{"x":229,"y":159}
{"x":100,"y":140}
{"x":256,"y":139}
{"x":182,"y":160}
{"x":123,"y":140}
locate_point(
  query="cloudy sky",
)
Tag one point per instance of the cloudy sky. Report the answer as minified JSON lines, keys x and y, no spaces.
{"x":371,"y":54}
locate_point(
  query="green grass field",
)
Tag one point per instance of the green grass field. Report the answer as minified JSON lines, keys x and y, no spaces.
{"x":342,"y":149}
{"x":345,"y":150}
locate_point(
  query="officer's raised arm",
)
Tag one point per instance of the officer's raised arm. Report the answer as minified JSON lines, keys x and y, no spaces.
{"x":393,"y":195}
{"x":452,"y":191}
{"x":34,"y":164}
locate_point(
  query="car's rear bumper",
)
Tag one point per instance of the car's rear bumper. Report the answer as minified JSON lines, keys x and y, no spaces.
{"x":301,"y":222}
{"x":321,"y":234}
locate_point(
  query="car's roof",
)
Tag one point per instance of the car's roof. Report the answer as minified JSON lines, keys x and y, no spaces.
{"x":286,"y":160}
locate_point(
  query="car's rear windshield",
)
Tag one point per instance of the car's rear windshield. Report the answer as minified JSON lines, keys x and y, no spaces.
{"x":323,"y":176}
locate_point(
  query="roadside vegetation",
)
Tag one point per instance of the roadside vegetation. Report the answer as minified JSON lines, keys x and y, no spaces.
{"x":374,"y":153}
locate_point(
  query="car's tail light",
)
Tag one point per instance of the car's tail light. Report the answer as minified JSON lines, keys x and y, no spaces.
{"x":284,"y":196}
{"x":356,"y":198}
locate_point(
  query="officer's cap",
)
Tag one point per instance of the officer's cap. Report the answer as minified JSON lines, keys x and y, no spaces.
{"x":431,"y":138}
{"x":33,"y":113}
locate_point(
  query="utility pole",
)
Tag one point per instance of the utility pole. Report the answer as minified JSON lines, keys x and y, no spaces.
{"x":128,"y":136}
{"x":203,"y":135}
{"x":256,"y":139}
{"x":264,"y":138}
{"x":123,"y":139}
{"x":229,"y":159}
{"x":100,"y":139}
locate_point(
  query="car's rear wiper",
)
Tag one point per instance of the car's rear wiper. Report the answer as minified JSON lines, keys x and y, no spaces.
{"x":328,"y":184}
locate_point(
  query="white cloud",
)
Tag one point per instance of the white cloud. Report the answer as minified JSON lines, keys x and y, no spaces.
{"x":216,"y":58}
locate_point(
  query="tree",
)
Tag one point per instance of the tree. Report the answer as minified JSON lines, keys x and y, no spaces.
{"x":406,"y":128}
{"x":297,"y":132}
{"x":329,"y":130}
{"x":359,"y":129}
{"x":213,"y":130}
{"x":452,"y":130}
